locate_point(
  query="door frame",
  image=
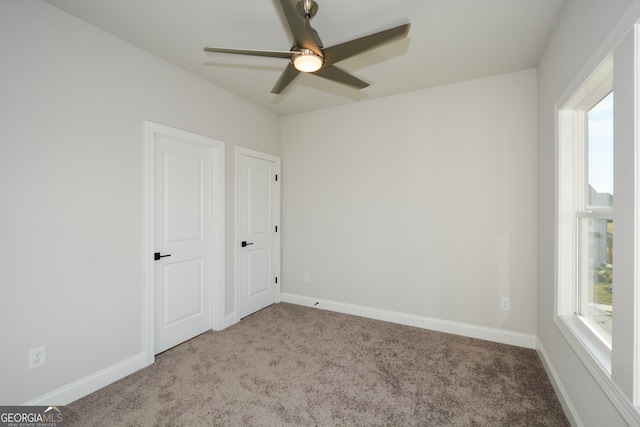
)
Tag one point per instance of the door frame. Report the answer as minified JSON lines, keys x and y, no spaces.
{"x":151,"y":130}
{"x":243,"y":151}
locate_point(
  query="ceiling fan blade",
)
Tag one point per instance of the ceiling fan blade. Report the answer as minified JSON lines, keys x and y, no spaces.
{"x":303,"y":35}
{"x":351,"y":48}
{"x":286,"y":77}
{"x":340,"y":76}
{"x":268,"y":53}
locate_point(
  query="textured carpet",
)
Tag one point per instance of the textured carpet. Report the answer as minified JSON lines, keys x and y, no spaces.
{"x":299,"y":366}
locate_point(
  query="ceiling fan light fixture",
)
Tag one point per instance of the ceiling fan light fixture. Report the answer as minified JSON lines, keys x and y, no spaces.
{"x":308,"y":61}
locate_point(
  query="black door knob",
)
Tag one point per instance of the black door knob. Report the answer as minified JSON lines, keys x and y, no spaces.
{"x":157,"y":256}
{"x":246,"y":244}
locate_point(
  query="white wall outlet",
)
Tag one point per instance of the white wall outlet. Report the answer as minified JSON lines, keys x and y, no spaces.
{"x":307,"y":278}
{"x":505,"y":304}
{"x":37,"y":357}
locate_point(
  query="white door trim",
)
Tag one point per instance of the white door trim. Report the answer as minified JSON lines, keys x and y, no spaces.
{"x":275,"y":159}
{"x":217,"y":228}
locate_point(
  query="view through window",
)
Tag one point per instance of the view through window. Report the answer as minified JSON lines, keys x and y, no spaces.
{"x":595,"y":223}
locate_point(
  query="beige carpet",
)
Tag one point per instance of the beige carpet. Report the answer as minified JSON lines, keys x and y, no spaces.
{"x":289,"y":365}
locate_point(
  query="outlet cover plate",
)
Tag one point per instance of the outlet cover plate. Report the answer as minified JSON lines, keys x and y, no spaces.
{"x":37,"y":357}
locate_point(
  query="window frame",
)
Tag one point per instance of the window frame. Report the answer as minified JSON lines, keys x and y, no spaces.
{"x":572,"y":189}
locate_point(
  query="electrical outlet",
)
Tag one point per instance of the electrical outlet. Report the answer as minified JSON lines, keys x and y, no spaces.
{"x":505,"y":304}
{"x":37,"y":357}
{"x":307,"y":278}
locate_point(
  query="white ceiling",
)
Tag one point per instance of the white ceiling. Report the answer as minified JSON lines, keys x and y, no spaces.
{"x":449,"y":41}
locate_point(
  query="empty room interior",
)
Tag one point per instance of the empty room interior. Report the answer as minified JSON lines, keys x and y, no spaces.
{"x":454,"y":175}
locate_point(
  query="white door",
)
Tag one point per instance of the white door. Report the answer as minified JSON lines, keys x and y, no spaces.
{"x":185,"y":206}
{"x":257,"y":230}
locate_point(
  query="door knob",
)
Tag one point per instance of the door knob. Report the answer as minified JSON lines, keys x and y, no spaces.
{"x":246,"y":244}
{"x":157,"y":256}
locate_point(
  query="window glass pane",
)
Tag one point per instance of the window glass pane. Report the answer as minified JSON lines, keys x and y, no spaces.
{"x":600,"y":154}
{"x":596,"y":273}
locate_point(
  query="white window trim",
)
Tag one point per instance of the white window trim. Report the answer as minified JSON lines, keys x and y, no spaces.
{"x":636,"y":279}
{"x":628,"y":409}
{"x":571,"y":165}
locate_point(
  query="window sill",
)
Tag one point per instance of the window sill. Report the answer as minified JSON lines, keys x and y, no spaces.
{"x":589,"y":348}
{"x":598,"y":364}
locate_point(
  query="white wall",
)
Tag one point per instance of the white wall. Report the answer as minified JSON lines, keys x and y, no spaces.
{"x":72,"y":104}
{"x":422,"y":203}
{"x":580,"y":31}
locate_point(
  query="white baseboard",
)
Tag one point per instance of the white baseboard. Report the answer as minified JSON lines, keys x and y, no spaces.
{"x":230,"y":319}
{"x":457,"y":328}
{"x":561,"y":392}
{"x":87,"y":385}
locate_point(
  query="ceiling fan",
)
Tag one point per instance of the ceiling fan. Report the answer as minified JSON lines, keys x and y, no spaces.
{"x":308,"y":55}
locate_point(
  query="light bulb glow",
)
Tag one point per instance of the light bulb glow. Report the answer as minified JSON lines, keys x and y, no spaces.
{"x":307,"y":61}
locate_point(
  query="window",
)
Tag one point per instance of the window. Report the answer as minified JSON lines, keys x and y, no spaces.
{"x":598,"y":151}
{"x":586,"y":214}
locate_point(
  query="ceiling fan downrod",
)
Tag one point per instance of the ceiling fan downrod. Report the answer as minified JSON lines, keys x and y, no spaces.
{"x":308,"y":8}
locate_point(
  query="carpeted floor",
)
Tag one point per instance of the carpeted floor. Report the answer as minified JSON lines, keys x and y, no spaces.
{"x":289,"y":365}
